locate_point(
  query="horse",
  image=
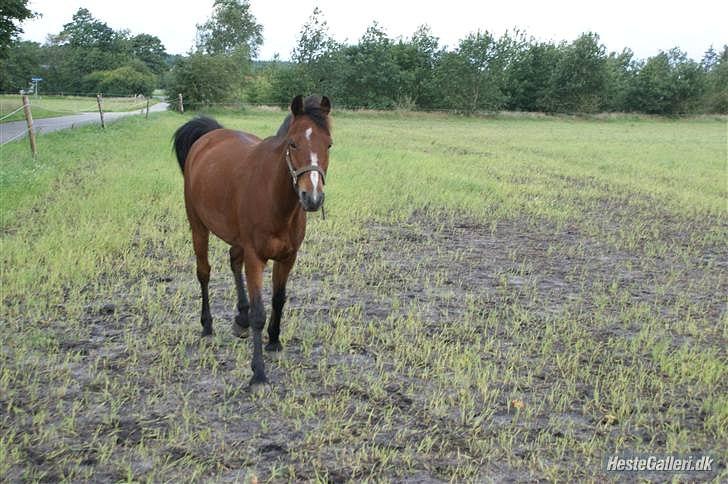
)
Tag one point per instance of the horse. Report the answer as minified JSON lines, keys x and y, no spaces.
{"x":254,"y":194}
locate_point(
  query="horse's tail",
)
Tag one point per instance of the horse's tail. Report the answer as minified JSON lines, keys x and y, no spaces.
{"x":188,"y":133}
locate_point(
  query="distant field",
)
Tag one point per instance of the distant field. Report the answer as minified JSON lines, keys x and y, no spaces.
{"x":488,"y":299}
{"x":51,"y":106}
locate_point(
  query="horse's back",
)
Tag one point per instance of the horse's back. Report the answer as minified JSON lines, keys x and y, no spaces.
{"x":216,"y":159}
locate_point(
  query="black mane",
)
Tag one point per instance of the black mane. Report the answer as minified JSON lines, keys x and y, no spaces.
{"x":312,"y":109}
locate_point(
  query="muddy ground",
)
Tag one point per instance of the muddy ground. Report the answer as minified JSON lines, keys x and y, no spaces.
{"x":152,"y":401}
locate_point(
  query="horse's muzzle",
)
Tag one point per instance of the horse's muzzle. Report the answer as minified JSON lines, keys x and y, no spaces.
{"x":311,"y":201}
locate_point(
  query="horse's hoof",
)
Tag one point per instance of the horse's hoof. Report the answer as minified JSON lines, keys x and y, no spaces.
{"x":206,"y":332}
{"x":277,"y":346}
{"x":240,"y":331}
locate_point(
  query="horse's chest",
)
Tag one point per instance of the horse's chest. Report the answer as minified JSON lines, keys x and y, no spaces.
{"x":280,"y":247}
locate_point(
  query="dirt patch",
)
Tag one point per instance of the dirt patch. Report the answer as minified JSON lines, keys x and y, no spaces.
{"x":548,"y":269}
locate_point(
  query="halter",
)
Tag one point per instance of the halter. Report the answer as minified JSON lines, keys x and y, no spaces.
{"x":295,"y":174}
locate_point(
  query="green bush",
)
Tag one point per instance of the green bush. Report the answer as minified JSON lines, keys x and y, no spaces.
{"x":128,"y":79}
{"x":204,"y":80}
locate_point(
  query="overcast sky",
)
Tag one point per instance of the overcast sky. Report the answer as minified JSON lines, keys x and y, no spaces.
{"x":644,"y":26}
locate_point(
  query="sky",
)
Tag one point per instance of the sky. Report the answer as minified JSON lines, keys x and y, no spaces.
{"x":647,"y":27}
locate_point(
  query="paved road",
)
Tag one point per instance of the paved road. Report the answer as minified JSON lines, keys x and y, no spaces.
{"x":17,"y":129}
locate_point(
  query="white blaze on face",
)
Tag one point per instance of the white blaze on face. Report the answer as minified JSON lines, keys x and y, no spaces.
{"x":314,"y":175}
{"x":314,"y":161}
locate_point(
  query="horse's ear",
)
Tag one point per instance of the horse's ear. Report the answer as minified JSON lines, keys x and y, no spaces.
{"x":297,"y":105}
{"x":325,"y":105}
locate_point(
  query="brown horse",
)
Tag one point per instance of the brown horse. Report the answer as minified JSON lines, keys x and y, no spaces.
{"x":254,"y":195}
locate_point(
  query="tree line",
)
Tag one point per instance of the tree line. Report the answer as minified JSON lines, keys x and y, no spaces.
{"x":87,"y":56}
{"x":488,"y":73}
{"x":483,"y":72}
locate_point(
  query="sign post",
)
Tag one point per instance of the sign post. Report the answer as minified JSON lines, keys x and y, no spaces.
{"x":35,"y":81}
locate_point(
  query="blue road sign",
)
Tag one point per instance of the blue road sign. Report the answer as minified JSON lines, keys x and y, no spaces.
{"x":36,"y":79}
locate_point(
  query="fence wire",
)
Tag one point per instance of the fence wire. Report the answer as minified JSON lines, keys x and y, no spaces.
{"x":11,"y":113}
{"x":82,"y":106}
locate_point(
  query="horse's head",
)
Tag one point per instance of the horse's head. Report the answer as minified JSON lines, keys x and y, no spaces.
{"x":307,"y":151}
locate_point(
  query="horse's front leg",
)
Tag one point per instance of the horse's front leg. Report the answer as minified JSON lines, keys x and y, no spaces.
{"x":254,"y":274}
{"x":280,"y":278}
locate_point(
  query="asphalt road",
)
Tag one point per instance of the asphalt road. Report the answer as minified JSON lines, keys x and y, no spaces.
{"x":17,"y":129}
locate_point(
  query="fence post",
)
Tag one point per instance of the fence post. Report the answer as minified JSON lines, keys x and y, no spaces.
{"x":29,"y":120}
{"x":147,"y":115}
{"x":181,"y":105}
{"x":101,"y":111}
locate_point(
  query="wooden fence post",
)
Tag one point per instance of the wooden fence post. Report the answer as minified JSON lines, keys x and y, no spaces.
{"x":29,"y":120}
{"x":181,"y":105}
{"x":101,"y":111}
{"x":147,"y":115}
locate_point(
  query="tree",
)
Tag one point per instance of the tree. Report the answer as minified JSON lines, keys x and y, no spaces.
{"x":86,"y":31}
{"x":232,"y":27}
{"x":579,"y":79}
{"x":204,"y":80}
{"x":286,"y":82}
{"x":416,"y":58}
{"x":317,"y":67}
{"x":453,"y":83}
{"x":22,"y":63}
{"x":135,"y":78}
{"x":372,"y":77}
{"x":668,"y":83}
{"x":688,"y":79}
{"x":12,"y":12}
{"x":85,"y":45}
{"x":314,"y":40}
{"x":528,"y":78}
{"x":716,"y":83}
{"x":621,"y":71}
{"x":150,"y":50}
{"x":261,"y":89}
{"x":651,"y":91}
{"x":469,"y":78}
{"x":710,"y":59}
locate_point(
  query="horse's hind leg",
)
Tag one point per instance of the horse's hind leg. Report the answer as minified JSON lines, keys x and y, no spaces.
{"x":280,"y":278}
{"x":200,"y":237}
{"x":241,"y":324}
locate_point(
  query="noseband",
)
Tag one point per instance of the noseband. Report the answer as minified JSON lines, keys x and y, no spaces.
{"x":295,"y":174}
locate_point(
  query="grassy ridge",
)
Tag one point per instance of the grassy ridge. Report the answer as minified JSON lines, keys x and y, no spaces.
{"x":498,"y":298}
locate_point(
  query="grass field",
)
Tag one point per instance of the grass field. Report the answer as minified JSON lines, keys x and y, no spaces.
{"x":52,"y":106}
{"x":488,"y":299}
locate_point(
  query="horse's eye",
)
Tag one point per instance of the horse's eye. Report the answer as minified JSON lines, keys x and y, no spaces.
{"x":293,"y":145}
{"x":330,"y":145}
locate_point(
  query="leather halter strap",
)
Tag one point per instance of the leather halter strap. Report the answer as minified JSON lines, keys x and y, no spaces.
{"x":295,"y":174}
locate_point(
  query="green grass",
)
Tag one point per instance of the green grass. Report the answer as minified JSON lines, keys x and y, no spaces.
{"x":488,"y":299}
{"x":52,"y":106}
